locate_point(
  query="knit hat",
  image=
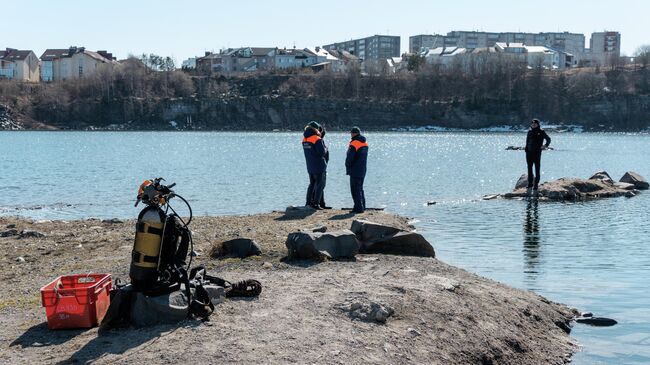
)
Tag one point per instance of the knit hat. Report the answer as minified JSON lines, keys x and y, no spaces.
{"x":355,"y":130}
{"x":314,"y":125}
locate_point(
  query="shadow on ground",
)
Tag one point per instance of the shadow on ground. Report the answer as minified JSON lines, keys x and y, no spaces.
{"x":296,"y":214}
{"x":112,"y":342}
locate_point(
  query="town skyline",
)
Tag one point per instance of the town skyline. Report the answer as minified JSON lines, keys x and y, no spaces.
{"x":182,"y":32}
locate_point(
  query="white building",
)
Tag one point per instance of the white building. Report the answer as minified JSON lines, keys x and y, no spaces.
{"x":73,"y":63}
{"x":19,"y":65}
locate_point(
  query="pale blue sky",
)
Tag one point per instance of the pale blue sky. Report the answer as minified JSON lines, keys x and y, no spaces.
{"x":187,"y":28}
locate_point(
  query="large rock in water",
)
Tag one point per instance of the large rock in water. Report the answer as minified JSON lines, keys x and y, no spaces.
{"x":317,"y":246}
{"x":639,"y":181}
{"x":522,"y":182}
{"x":602,"y":176}
{"x":598,"y":186}
{"x":381,"y":239}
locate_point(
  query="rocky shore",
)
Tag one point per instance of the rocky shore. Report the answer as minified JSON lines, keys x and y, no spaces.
{"x":374,"y":308}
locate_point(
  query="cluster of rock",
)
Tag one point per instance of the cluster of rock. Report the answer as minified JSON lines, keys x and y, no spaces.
{"x":362,"y":237}
{"x":599,"y":185}
{"x":7,"y":122}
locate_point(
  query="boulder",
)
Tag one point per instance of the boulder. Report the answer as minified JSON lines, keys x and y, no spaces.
{"x":637,"y":180}
{"x":602,"y":176}
{"x":317,"y":246}
{"x":625,"y":186}
{"x":370,"y":231}
{"x":401,"y":243}
{"x":522,"y":182}
{"x":238,"y":247}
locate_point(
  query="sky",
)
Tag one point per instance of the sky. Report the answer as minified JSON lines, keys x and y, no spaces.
{"x":183,"y":29}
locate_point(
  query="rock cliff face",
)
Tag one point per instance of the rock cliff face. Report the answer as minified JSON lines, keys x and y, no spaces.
{"x":7,"y":120}
{"x":272,"y":112}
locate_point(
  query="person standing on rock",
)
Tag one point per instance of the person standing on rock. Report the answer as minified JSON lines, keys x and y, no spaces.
{"x":534,"y":146}
{"x":315,"y":151}
{"x":355,"y":167}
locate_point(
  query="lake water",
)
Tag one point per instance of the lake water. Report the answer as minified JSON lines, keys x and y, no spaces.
{"x":592,"y":256}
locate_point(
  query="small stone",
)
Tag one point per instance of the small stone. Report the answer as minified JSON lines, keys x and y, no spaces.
{"x":9,"y":233}
{"x":11,"y":226}
{"x":381,"y":315}
{"x":20,"y":259}
{"x":267,"y":265}
{"x":355,"y":306}
{"x":490,"y":197}
{"x":79,"y":246}
{"x":431,"y":203}
{"x":321,"y":229}
{"x":29,"y":233}
{"x":414,"y":332}
{"x":113,"y":221}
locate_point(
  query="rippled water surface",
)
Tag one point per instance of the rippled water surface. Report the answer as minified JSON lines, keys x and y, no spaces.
{"x":592,"y":256}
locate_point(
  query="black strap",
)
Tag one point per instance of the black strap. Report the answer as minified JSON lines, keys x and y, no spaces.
{"x":140,"y":227}
{"x":135,"y":256}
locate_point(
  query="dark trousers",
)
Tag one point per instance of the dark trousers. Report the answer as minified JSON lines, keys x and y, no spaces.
{"x":533,"y":158}
{"x":315,"y":189}
{"x":358,"y":196}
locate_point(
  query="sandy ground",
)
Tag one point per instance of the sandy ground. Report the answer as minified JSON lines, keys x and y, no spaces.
{"x":442,"y":314}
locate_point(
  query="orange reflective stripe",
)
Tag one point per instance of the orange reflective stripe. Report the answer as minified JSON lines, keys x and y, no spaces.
{"x":313,"y":139}
{"x":358,"y":144}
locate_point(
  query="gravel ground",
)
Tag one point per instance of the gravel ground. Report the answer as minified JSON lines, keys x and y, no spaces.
{"x":377,"y":309}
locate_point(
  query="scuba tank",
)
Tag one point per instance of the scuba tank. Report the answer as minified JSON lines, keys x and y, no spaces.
{"x":161,"y":240}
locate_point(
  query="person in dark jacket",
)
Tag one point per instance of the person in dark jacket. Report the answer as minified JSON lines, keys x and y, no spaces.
{"x":315,"y":151}
{"x":534,"y":146}
{"x":355,"y":167}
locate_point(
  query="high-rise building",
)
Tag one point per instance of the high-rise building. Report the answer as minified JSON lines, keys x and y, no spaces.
{"x":374,"y":47}
{"x":605,"y":48}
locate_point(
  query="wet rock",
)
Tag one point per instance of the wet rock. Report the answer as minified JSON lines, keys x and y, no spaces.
{"x":602,"y":176}
{"x":113,"y":221}
{"x":572,"y":189}
{"x":9,"y":233}
{"x":25,"y":233}
{"x":596,"y":321}
{"x":401,"y":243}
{"x":522,"y":182}
{"x":370,"y":231}
{"x":238,"y":247}
{"x":317,"y":246}
{"x":637,"y":180}
{"x":625,"y":186}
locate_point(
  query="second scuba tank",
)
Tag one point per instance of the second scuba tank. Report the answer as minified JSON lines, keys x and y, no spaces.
{"x":145,"y":258}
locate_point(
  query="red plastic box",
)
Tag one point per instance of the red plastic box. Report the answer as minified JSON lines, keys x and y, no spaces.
{"x":76,"y":301}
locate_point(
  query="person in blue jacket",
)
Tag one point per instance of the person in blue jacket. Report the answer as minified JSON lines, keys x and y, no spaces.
{"x":315,"y":156}
{"x":355,"y":167}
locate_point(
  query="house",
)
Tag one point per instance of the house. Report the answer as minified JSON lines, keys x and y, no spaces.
{"x":20,"y":65}
{"x":73,"y":63}
{"x":294,"y":58}
{"x":233,"y":60}
{"x":325,"y":60}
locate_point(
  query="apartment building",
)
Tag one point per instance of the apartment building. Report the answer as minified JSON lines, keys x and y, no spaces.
{"x":605,"y":48}
{"x":374,"y":47}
